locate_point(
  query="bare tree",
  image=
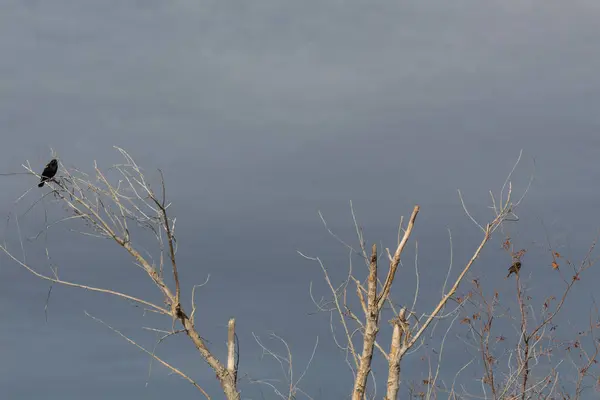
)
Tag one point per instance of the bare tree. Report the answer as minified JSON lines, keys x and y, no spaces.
{"x":110,"y":210}
{"x":408,"y":327}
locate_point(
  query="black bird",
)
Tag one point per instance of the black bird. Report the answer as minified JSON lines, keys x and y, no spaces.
{"x":49,"y":172}
{"x":514,"y":268}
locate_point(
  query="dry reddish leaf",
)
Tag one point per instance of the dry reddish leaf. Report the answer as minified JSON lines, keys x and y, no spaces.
{"x":519,"y":254}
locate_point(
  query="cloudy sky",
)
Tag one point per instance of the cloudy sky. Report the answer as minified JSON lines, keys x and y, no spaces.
{"x":261,"y":114}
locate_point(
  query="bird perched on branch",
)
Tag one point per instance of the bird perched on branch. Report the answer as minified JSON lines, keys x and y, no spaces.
{"x":49,"y":172}
{"x":514,"y":268}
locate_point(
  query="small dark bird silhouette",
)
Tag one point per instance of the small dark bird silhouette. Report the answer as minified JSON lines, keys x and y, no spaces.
{"x":49,"y":172}
{"x":514,"y":268}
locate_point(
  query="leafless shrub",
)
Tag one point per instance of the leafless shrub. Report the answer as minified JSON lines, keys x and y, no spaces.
{"x":534,"y":366}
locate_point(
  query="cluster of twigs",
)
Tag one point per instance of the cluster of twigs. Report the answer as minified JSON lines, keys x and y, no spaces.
{"x":531,"y":367}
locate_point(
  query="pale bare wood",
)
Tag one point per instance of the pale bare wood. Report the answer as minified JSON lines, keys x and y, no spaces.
{"x":370,"y":331}
{"x":86,"y":287}
{"x":231,"y":347}
{"x":383,"y":296}
{"x":393,"y":381}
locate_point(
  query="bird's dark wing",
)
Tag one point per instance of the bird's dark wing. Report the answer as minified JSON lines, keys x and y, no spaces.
{"x":48,"y":173}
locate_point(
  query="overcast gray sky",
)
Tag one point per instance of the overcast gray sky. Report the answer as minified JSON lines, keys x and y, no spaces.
{"x":262,"y":113}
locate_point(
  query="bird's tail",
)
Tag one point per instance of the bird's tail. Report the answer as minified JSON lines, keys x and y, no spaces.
{"x":41,"y":184}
